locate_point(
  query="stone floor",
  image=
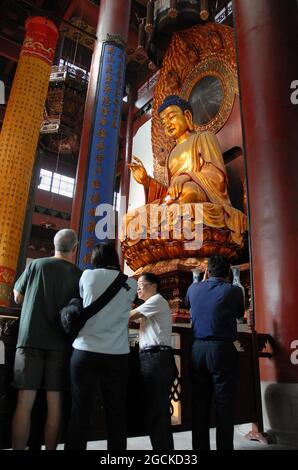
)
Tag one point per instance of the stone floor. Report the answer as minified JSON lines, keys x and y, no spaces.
{"x":182,"y":441}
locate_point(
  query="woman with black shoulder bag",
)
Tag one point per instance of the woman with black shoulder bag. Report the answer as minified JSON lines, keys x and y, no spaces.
{"x":101,"y":352}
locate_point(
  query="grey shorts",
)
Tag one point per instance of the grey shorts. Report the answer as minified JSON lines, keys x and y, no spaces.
{"x":41,"y":369}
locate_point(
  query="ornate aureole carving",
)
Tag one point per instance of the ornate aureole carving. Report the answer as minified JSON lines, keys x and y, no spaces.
{"x":194,"y":54}
{"x":220,"y":70}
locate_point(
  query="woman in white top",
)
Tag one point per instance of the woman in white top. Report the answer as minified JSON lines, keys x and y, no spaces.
{"x":156,"y":359}
{"x":101,"y":352}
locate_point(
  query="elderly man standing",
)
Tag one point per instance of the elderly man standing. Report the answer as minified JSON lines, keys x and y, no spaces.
{"x":42,"y":355}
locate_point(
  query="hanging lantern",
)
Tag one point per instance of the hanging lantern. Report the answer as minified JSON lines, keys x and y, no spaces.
{"x":140,"y":53}
{"x":204,"y":12}
{"x":63,"y":115}
{"x":172,"y":12}
{"x":184,"y":12}
{"x":141,"y":35}
{"x":149,"y":16}
{"x":151,"y":65}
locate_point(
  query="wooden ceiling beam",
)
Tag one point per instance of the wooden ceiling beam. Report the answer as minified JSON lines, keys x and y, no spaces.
{"x":68,"y":9}
{"x":9,"y":49}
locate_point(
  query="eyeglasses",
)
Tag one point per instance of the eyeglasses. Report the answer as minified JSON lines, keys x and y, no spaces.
{"x":144,"y":285}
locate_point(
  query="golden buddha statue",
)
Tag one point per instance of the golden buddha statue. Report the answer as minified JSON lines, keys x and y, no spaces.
{"x":196,"y":170}
{"x":197,"y":178}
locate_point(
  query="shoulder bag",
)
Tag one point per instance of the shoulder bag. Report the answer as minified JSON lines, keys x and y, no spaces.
{"x":73,"y":316}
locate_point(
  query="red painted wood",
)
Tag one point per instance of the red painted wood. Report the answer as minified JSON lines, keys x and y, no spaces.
{"x":52,"y":201}
{"x":113,"y":18}
{"x":56,"y":222}
{"x":125,"y":179}
{"x":125,"y":172}
{"x":231,"y":134}
{"x":266,"y":34}
{"x":9,"y":49}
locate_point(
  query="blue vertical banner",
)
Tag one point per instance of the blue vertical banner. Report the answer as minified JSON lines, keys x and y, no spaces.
{"x":103,"y":153}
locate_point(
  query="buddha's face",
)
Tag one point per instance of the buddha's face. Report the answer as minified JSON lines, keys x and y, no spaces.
{"x":174,"y":122}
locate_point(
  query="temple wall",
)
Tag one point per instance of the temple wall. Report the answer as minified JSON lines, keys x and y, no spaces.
{"x":142,"y":148}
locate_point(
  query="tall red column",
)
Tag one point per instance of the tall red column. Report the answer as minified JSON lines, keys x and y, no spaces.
{"x":125,"y":176}
{"x":266,"y":35}
{"x":113,"y":20}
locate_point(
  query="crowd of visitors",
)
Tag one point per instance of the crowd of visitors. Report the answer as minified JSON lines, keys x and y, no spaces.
{"x":100,"y":352}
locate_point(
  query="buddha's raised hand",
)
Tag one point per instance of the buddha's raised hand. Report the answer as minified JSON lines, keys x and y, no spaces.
{"x":138,"y":170}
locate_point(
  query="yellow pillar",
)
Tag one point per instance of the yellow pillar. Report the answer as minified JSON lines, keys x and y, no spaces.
{"x":18,"y":141}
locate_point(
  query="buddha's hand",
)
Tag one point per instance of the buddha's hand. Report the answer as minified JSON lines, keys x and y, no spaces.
{"x":138,"y":171}
{"x":176,"y":186}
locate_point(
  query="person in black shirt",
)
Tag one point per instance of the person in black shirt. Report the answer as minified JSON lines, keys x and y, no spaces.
{"x":215,"y":304}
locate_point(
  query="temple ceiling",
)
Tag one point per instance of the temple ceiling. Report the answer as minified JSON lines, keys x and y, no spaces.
{"x":77,"y":20}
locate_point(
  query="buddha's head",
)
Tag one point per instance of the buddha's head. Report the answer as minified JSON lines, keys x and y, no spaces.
{"x":176,"y":116}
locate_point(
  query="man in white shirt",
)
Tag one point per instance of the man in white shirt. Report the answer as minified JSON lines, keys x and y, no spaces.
{"x":156,"y":358}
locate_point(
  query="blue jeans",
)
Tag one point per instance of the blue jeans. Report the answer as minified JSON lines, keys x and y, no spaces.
{"x":214,"y":371}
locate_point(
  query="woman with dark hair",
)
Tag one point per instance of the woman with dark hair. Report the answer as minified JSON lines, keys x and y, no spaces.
{"x":105,"y":256}
{"x":101,"y":352}
{"x":156,"y":359}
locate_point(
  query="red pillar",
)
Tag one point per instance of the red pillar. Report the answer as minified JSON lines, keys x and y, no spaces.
{"x":125,"y":177}
{"x":113,"y":19}
{"x":266,"y":37}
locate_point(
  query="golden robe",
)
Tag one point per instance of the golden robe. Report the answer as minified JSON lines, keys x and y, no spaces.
{"x":201,"y":159}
